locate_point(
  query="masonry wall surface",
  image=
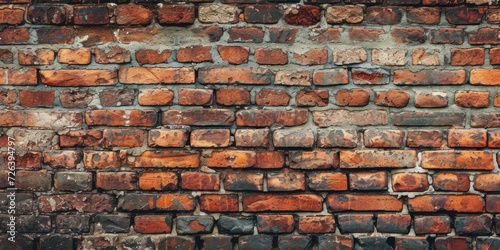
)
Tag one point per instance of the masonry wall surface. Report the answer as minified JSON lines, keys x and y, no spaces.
{"x":246,"y":124}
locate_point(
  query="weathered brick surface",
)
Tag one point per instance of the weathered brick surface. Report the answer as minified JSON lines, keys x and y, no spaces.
{"x":285,"y":124}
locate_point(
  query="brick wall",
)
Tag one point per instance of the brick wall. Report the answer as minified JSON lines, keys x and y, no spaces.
{"x":320,"y":124}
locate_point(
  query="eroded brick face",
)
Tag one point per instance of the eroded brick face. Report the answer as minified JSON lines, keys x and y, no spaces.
{"x":250,"y":124}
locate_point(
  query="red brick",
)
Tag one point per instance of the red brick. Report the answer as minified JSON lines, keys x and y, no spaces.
{"x":8,"y":97}
{"x":150,"y":56}
{"x":270,"y":56}
{"x":275,"y":223}
{"x":337,"y":138}
{"x":351,"y":14}
{"x":129,"y":138}
{"x":176,"y":14}
{"x":467,"y":138}
{"x":464,"y":15}
{"x":19,"y":77}
{"x":14,"y":36}
{"x":443,"y":243}
{"x":410,"y":182}
{"x":158,"y":181}
{"x":194,"y":54}
{"x":378,"y":159}
{"x":282,"y":203}
{"x":368,"y":181}
{"x":244,"y":181}
{"x":11,"y":16}
{"x":30,"y":160}
{"x":311,"y":57}
{"x":392,"y":98}
{"x":362,"y":202}
{"x":492,"y":203}
{"x":429,"y":77}
{"x":168,"y":137}
{"x":493,"y":16}
{"x":210,"y":138}
{"x":232,"y":96}
{"x":330,"y":77}
{"x":443,"y":2}
{"x":37,"y":98}
{"x":457,"y":160}
{"x":198,"y":117}
{"x":155,"y":97}
{"x":484,"y":36}
{"x":478,"y":225}
{"x":494,"y":138}
{"x":487,"y":182}
{"x":313,"y":159}
{"x":467,"y":57}
{"x":37,"y":57}
{"x":131,"y":14}
{"x":320,"y":35}
{"x":245,"y":35}
{"x":156,"y":75}
{"x":200,"y":181}
{"x":78,"y":78}
{"x":303,"y":15}
{"x":166,"y":159}
{"x":282,"y":35}
{"x":219,"y":203}
{"x":319,"y":181}
{"x":135,"y":118}
{"x":81,"y":56}
{"x":364,"y":35}
{"x":262,"y":13}
{"x":102,"y":160}
{"x":451,"y":182}
{"x":316,"y":224}
{"x":293,"y":138}
{"x":116,"y":98}
{"x":252,"y":138}
{"x":231,"y":158}
{"x":47,"y":14}
{"x":424,"y":138}
{"x":431,"y":99}
{"x":424,"y":15}
{"x":376,"y":138}
{"x":313,"y":98}
{"x":447,"y":36}
{"x":408,"y":36}
{"x":352,"y":97}
{"x":153,"y":224}
{"x":195,"y":97}
{"x":270,"y":159}
{"x":84,"y":138}
{"x":383,"y":15}
{"x":174,"y":202}
{"x":112,"y":54}
{"x":75,"y":99}
{"x":264,"y":118}
{"x":116,"y":181}
{"x":234,"y":54}
{"x":286,"y":181}
{"x":432,"y":224}
{"x":425,"y":57}
{"x":235,"y":75}
{"x":91,"y":15}
{"x":369,"y":76}
{"x":62,"y":158}
{"x":6,"y":56}
{"x":468,"y":203}
{"x":272,"y":97}
{"x":91,"y":36}
{"x":484,"y":120}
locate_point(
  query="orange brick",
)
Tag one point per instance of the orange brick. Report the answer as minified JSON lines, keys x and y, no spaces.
{"x":81,"y":56}
{"x":286,"y":181}
{"x":232,"y":96}
{"x":363,"y":202}
{"x":234,"y":75}
{"x":200,"y":181}
{"x":472,"y":99}
{"x":487,"y":182}
{"x":469,"y":203}
{"x":378,"y":159}
{"x":166,"y":159}
{"x":153,"y":224}
{"x":38,"y":57}
{"x":146,"y":118}
{"x":269,"y":159}
{"x":158,"y":181}
{"x":467,"y":57}
{"x":377,"y":138}
{"x":156,"y":75}
{"x":195,"y":97}
{"x":368,"y":180}
{"x":487,"y":77}
{"x":327,"y":181}
{"x":451,"y":182}
{"x":234,"y":54}
{"x":116,"y":181}
{"x":217,"y":203}
{"x":168,"y":137}
{"x":458,"y":160}
{"x":78,"y":78}
{"x":150,"y":56}
{"x":352,"y":97}
{"x":285,"y":202}
{"x":129,"y":138}
{"x":210,"y":138}
{"x":232,"y":159}
{"x":194,"y":54}
{"x":409,"y":182}
{"x":37,"y":98}
{"x":155,"y":97}
{"x":467,"y":138}
{"x":316,"y":224}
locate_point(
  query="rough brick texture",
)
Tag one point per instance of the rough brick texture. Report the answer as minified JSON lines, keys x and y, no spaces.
{"x":250,"y":124}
